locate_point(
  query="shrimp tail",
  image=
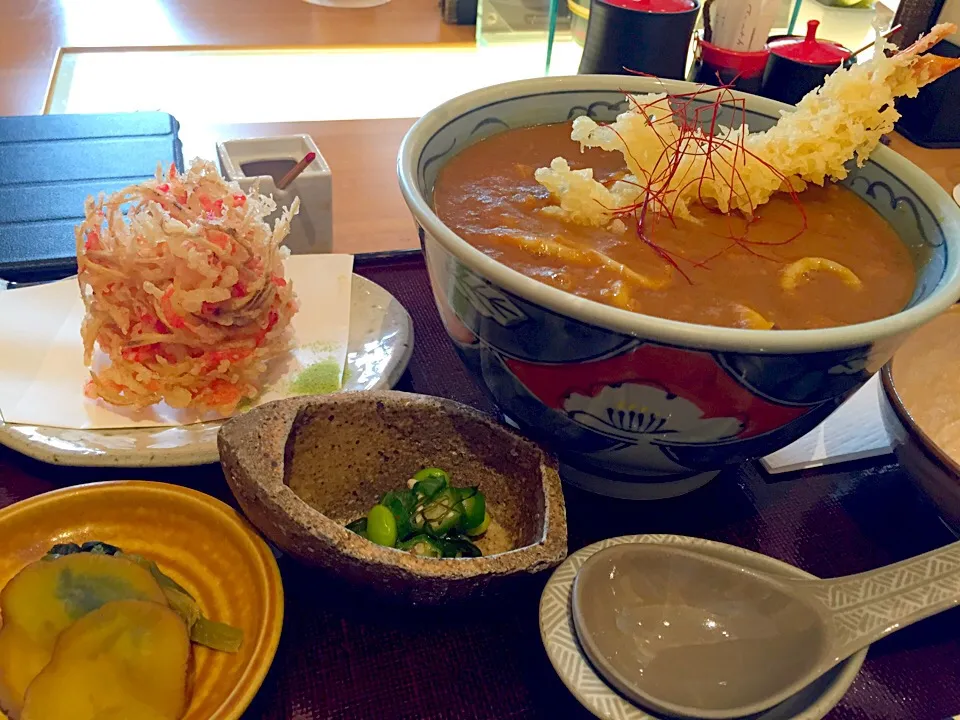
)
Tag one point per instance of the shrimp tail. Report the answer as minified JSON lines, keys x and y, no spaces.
{"x":927,"y":68}
{"x":933,"y":67}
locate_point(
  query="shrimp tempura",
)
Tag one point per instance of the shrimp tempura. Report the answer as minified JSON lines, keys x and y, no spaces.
{"x":675,"y":165}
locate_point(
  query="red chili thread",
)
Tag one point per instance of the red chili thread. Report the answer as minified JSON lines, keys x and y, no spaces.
{"x":697,"y":137}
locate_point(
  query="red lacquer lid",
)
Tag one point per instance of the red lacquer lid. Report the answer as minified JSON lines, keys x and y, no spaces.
{"x":655,"y":6}
{"x":809,"y":50}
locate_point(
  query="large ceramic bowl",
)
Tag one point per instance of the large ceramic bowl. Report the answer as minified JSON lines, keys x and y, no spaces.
{"x":634,"y":405}
{"x":921,"y":412}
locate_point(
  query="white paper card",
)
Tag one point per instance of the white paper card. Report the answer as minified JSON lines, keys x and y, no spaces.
{"x":742,"y":25}
{"x":855,"y":431}
{"x":29,"y":321}
{"x":51,"y":393}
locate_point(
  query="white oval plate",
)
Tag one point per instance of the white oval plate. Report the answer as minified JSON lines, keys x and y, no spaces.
{"x":381,"y":340}
{"x":560,"y":639}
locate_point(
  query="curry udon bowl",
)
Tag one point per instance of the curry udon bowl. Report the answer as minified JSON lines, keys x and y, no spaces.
{"x":634,"y":405}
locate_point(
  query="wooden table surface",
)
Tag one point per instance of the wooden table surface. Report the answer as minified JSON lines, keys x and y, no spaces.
{"x":33,"y":30}
{"x":942,"y":165}
{"x":369,"y":214}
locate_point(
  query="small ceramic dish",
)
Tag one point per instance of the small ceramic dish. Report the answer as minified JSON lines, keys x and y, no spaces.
{"x":198,"y":541}
{"x":591,"y":690}
{"x":921,"y":413}
{"x":250,"y":162}
{"x":302,"y":468}
{"x":379,"y":348}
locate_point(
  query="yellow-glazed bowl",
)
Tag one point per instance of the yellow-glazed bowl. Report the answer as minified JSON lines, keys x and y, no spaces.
{"x":197,"y":540}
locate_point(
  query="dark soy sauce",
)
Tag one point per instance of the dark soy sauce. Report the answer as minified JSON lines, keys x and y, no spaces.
{"x":274,"y":168}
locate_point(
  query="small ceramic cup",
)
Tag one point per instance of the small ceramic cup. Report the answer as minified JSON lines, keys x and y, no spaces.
{"x":264,"y":161}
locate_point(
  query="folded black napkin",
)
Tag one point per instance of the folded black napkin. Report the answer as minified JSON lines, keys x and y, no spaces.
{"x":49,"y":164}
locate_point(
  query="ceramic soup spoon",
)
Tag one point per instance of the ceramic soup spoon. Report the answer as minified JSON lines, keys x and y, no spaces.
{"x":694,"y":636}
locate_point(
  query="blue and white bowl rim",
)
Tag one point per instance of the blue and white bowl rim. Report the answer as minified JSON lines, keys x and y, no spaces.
{"x":671,"y":331}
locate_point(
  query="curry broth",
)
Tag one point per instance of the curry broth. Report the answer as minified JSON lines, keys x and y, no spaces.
{"x":488,"y":195}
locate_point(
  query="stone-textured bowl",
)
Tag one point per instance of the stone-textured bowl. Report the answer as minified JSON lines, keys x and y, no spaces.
{"x":302,"y":468}
{"x":916,"y":391}
{"x":641,"y":406}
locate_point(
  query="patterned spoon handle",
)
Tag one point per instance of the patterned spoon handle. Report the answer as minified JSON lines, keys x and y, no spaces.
{"x":863,"y":608}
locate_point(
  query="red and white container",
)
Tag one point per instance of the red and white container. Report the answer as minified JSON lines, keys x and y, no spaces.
{"x":799,"y":64}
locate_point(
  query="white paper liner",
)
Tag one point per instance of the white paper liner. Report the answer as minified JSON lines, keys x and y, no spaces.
{"x":42,"y":375}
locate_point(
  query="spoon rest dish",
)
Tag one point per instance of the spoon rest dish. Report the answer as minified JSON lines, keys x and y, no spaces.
{"x":701,"y":637}
{"x":592,"y":690}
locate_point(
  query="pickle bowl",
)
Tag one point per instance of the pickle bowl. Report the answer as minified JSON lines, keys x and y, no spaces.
{"x":204,"y":546}
{"x":302,"y":469}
